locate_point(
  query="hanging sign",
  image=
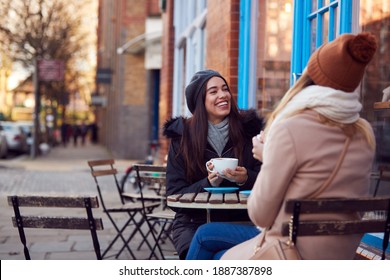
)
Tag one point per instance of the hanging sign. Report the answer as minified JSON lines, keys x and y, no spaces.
{"x":51,"y":70}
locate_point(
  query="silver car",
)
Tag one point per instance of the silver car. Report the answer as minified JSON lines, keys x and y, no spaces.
{"x":16,"y":138}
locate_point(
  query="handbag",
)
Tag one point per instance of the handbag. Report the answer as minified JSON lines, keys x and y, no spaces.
{"x":276,"y":250}
{"x":286,"y":250}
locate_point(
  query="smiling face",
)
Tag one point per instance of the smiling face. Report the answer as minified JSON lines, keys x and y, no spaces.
{"x":217,"y":100}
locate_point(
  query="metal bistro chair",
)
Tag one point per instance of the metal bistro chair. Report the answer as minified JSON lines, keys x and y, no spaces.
{"x":154,"y":176}
{"x":63,"y":222}
{"x":365,"y":206}
{"x":384,"y":175}
{"x":134,"y":210}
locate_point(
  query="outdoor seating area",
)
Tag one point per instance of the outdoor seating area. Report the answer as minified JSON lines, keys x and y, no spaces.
{"x":142,"y":220}
{"x":155,"y":130}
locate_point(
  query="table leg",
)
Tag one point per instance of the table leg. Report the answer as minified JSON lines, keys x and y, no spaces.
{"x":208,"y":215}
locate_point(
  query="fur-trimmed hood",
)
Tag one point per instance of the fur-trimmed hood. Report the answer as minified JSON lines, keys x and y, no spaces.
{"x":252,"y":123}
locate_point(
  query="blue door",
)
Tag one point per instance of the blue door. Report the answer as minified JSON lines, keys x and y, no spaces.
{"x":316,"y":22}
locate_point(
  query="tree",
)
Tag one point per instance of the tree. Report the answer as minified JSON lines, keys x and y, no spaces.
{"x":42,"y":29}
{"x":48,"y":29}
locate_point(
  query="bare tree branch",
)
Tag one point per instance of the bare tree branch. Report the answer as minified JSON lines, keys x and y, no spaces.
{"x":47,"y":29}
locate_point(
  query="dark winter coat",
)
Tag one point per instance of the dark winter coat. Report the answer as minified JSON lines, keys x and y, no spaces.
{"x":188,"y":220}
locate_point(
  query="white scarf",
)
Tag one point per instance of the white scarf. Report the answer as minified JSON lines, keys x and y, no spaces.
{"x":337,"y":105}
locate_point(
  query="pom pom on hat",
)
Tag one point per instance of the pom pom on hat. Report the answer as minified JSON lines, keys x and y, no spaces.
{"x":340,"y":64}
{"x":362,"y":47}
{"x":195,"y":86}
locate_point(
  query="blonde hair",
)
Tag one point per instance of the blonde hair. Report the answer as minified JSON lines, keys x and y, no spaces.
{"x":349,"y":129}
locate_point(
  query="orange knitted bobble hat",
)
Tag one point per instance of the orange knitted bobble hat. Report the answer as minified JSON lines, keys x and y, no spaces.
{"x":340,"y":64}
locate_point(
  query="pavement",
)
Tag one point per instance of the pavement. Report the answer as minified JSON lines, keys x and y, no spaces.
{"x":63,"y":171}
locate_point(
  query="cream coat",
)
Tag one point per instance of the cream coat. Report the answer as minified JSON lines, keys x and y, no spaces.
{"x":301,"y":154}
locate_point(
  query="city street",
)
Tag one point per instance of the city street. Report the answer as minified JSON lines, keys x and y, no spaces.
{"x":62,"y":171}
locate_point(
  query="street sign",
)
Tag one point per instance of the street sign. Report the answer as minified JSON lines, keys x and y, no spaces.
{"x":103,"y":76}
{"x":51,"y":70}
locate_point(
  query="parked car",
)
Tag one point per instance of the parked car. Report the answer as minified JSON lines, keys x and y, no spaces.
{"x":3,"y":143}
{"x":27,"y":128}
{"x":16,"y":138}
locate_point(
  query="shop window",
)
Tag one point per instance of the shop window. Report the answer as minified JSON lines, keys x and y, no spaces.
{"x":274,"y":52}
{"x":374,"y":17}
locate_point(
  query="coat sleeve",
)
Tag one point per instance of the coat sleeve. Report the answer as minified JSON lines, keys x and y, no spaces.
{"x":176,"y":176}
{"x":279,"y":166}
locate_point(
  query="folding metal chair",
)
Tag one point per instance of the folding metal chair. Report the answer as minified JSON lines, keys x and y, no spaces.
{"x":38,"y":221}
{"x":135,"y":210}
{"x":154,"y":176}
{"x":384,"y":175}
{"x":348,"y":225}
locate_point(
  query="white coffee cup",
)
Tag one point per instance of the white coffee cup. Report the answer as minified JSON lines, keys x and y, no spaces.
{"x":220,"y":164}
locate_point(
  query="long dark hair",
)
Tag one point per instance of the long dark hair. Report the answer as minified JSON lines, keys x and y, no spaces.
{"x":194,"y":139}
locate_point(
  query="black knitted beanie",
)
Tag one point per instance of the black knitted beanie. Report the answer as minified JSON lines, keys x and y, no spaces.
{"x":194,"y":88}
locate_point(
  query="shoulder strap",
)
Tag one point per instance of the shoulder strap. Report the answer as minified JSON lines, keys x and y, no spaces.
{"x":324,"y":185}
{"x":295,"y":217}
{"x":335,"y":170}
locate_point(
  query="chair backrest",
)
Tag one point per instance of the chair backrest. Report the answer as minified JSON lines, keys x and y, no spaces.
{"x":153,"y":176}
{"x":364,"y":206}
{"x":383,"y":175}
{"x":384,"y":171}
{"x":59,"y":222}
{"x":104,"y":167}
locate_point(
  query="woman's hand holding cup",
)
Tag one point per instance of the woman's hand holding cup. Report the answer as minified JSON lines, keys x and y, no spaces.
{"x":238,"y":175}
{"x":218,"y":167}
{"x":213,"y":177}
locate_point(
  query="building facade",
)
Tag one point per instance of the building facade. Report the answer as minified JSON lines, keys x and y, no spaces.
{"x":5,"y":71}
{"x":128,"y":76}
{"x":261,"y":47}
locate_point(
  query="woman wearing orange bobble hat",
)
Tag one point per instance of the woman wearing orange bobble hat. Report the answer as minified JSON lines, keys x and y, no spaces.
{"x":316,"y":120}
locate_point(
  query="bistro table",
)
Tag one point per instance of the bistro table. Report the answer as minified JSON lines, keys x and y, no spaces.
{"x":208,"y":201}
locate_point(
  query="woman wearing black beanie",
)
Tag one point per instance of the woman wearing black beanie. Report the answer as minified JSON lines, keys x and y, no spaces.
{"x":216,"y":129}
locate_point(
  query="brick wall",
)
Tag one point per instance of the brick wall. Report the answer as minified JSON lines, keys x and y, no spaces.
{"x":127,"y":114}
{"x":222,"y":34}
{"x":222,"y":39}
{"x":153,"y":8}
{"x":166,"y":79}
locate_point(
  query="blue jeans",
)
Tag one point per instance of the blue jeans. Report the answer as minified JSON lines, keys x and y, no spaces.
{"x":212,"y":240}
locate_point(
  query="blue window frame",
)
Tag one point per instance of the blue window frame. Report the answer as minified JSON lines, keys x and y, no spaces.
{"x":316,"y":22}
{"x":244,"y":54}
{"x":247,"y":55}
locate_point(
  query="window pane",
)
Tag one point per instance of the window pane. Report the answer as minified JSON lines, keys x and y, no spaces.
{"x":313,"y":32}
{"x":314,"y":5}
{"x":334,"y":24}
{"x":325,"y":27}
{"x":274,"y":52}
{"x":375,"y":18}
